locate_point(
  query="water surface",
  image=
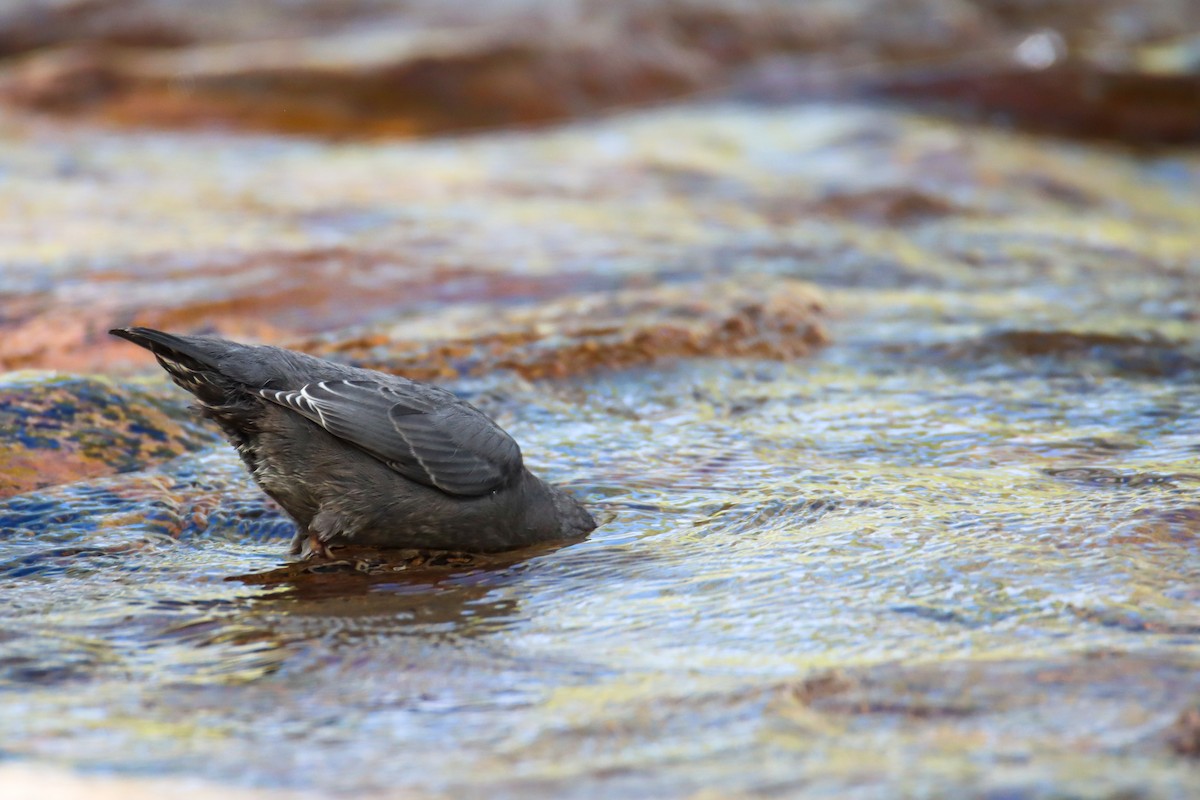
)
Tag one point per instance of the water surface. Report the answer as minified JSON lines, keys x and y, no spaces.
{"x":991,"y":471}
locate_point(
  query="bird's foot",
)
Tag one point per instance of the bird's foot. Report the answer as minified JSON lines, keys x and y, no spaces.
{"x":315,"y":548}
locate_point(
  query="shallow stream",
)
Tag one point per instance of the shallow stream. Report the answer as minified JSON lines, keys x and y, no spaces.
{"x":985,"y":476}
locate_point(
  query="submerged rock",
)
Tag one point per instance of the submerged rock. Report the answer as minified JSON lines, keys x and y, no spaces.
{"x":749,"y":318}
{"x":58,"y":429}
{"x":1184,"y":736}
{"x":1113,"y":703}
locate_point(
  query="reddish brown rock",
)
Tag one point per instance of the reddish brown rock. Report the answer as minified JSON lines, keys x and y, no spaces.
{"x":1077,"y":100}
{"x":361,"y":85}
{"x":888,"y":206}
{"x":269,"y":296}
{"x":363,"y":70}
{"x":1136,"y":354}
{"x":731,"y":319}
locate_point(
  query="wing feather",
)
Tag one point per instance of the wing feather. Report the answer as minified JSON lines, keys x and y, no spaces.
{"x":424,"y":433}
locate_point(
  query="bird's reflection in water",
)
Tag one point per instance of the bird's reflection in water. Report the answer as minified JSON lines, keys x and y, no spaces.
{"x":368,"y":593}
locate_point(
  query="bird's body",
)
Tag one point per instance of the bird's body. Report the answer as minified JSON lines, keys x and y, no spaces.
{"x":355,"y":455}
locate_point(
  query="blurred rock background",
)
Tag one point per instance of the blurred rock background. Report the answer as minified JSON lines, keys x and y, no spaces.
{"x":1114,"y":68}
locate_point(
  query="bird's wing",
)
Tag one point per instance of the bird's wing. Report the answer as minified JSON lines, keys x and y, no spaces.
{"x":423,"y":433}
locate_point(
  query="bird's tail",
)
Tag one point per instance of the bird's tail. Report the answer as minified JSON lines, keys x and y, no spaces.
{"x":184,"y":360}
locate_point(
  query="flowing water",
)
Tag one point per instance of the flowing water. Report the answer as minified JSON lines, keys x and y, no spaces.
{"x":958,"y":478}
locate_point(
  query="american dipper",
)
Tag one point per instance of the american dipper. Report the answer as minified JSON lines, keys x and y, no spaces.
{"x":355,"y":455}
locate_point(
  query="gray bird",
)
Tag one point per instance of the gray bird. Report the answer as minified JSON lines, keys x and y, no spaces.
{"x":355,"y":455}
